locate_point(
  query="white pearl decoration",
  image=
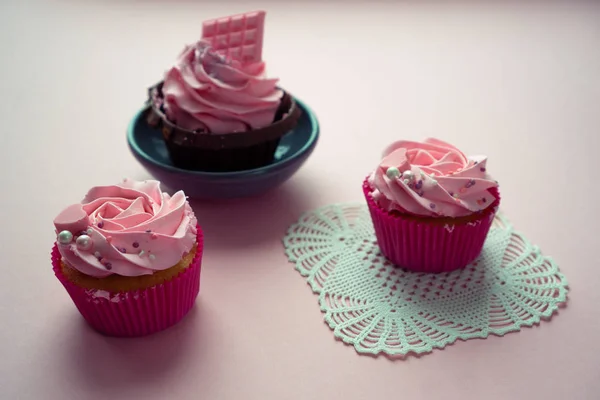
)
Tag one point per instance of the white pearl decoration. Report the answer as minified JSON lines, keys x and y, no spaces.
{"x":84,"y":242}
{"x":392,"y":172}
{"x":408,"y":175}
{"x":65,"y":237}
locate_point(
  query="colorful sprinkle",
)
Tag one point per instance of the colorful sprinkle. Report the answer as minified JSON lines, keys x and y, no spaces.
{"x":482,"y":169}
{"x":451,"y":193}
{"x":141,"y":254}
{"x":122,"y":249}
{"x":432,"y":205}
{"x":152,"y":257}
{"x":484,"y":200}
{"x":421,"y":193}
{"x":135,"y":245}
{"x":148,"y":230}
{"x":153,"y":235}
{"x":419,"y":184}
{"x":109,"y":239}
{"x":475,"y":162}
{"x":100,"y":224}
{"x":97,"y":255}
{"x":108,"y":266}
{"x":470,"y":183}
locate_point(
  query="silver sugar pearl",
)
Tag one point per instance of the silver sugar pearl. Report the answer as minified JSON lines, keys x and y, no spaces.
{"x":65,"y":237}
{"x":392,"y":172}
{"x":84,"y":242}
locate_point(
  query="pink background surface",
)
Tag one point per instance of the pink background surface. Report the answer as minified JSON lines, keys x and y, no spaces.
{"x":518,"y":83}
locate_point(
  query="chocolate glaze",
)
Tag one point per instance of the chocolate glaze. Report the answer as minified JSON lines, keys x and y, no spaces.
{"x":234,"y":151}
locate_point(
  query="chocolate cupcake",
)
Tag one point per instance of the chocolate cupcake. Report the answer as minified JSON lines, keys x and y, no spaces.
{"x":216,"y":108}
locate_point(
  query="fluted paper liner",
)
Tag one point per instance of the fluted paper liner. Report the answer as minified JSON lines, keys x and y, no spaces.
{"x":137,"y":312}
{"x":430,"y":245}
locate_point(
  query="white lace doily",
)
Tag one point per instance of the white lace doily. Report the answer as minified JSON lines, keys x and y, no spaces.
{"x":379,"y":308}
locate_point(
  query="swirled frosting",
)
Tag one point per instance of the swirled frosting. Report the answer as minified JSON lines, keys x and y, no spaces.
{"x":206,"y":92}
{"x":129,"y":229}
{"x":431,"y":178}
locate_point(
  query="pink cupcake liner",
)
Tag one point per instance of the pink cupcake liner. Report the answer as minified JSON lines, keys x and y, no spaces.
{"x":430,"y":246}
{"x":138,"y":312}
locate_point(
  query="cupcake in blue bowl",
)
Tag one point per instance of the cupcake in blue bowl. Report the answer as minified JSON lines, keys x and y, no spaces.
{"x":217,"y":109}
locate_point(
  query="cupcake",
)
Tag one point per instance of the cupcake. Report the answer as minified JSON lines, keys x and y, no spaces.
{"x":431,"y":206}
{"x":216,"y":107}
{"x":129,"y":256}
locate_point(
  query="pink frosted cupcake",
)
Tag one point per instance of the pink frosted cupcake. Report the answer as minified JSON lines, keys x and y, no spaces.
{"x":431,"y":206}
{"x":217,"y":107}
{"x":129,"y":256}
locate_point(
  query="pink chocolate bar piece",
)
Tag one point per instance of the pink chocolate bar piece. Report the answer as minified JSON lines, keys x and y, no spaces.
{"x":237,"y":37}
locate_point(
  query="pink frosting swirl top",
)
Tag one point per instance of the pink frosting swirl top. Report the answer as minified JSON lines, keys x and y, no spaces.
{"x":129,"y":229}
{"x":433,"y":179}
{"x":206,"y":92}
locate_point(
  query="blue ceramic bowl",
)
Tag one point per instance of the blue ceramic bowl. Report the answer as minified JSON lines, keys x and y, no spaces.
{"x":149,"y":149}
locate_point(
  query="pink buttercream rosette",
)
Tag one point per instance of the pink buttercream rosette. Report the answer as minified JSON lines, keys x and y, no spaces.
{"x":207,"y":93}
{"x":138,"y":312}
{"x":431,"y":206}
